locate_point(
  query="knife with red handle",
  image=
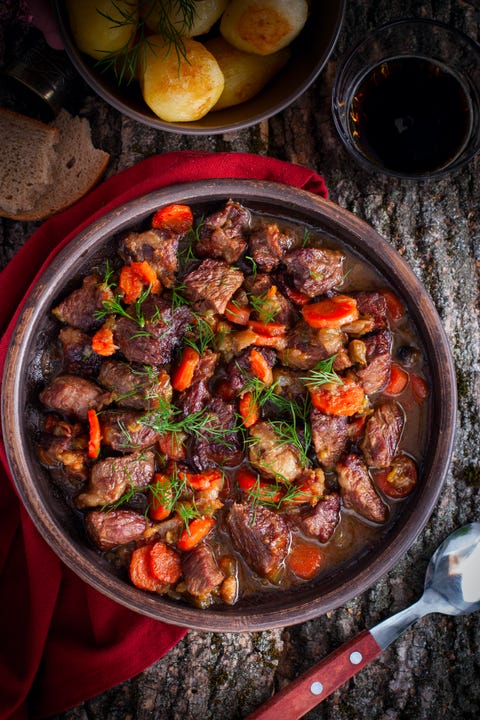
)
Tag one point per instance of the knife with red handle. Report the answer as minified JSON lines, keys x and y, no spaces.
{"x":326,"y":676}
{"x":313,"y":686}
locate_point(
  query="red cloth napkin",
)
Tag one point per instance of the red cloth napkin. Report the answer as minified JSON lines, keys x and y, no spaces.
{"x":62,"y":642}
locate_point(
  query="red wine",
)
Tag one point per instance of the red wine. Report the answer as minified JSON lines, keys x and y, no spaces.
{"x":410,"y":115}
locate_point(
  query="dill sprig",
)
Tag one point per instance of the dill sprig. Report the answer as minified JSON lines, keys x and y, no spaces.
{"x":186,"y":251}
{"x":277,"y":494}
{"x":167,"y":418}
{"x":126,"y":61}
{"x":114,"y":306}
{"x":177,"y":297}
{"x":322,"y":373}
{"x":306,"y":237}
{"x":254,"y":266}
{"x":188,"y":511}
{"x":288,"y":433}
{"x":200,"y":334}
{"x":265,"y":307}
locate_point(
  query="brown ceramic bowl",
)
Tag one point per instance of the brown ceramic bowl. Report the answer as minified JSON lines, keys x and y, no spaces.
{"x":61,"y":528}
{"x":310,"y":52}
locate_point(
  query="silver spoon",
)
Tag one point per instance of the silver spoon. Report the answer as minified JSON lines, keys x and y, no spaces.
{"x":452,"y":587}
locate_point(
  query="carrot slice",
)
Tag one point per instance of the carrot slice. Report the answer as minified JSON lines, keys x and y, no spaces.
{"x":305,"y":560}
{"x":260,"y":367}
{"x":237,"y":314}
{"x":297,"y":297}
{"x":249,"y":410}
{"x":250,"y":482}
{"x":398,"y":380}
{"x":95,"y":434}
{"x":205,"y":479}
{"x":183,"y":374}
{"x":178,"y":218}
{"x":148,"y":274}
{"x":160,"y":498}
{"x":331,"y":312}
{"x":133,"y":279}
{"x":102,"y":342}
{"x":140,"y":570}
{"x":395,"y":307}
{"x":270,"y":329}
{"x":333,"y":399}
{"x":165,"y":563}
{"x":197,"y":530}
{"x":130,"y":284}
{"x":279,"y":342}
{"x":419,"y":387}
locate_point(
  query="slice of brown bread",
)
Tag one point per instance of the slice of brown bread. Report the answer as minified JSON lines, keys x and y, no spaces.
{"x":27,"y":160}
{"x":76,"y":166}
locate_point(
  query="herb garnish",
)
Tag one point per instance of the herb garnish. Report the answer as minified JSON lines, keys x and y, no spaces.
{"x":126,"y":61}
{"x":322,"y":373}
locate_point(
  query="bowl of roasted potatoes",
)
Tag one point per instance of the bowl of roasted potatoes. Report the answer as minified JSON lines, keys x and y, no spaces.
{"x":199,"y":67}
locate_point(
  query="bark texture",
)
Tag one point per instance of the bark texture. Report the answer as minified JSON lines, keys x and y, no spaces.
{"x":433,"y":671}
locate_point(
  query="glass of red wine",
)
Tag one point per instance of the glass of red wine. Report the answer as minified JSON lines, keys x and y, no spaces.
{"x":406,"y":100}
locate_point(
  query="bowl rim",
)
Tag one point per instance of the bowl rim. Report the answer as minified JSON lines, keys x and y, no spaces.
{"x":343,"y":64}
{"x":252,"y":617}
{"x":78,"y":59}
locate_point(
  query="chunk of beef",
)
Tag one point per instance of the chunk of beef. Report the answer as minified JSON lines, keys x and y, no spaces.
{"x":218,"y":443}
{"x":211,"y":285}
{"x":195,"y":397}
{"x":374,"y":376}
{"x":330,"y":435}
{"x":258,"y":284}
{"x":200,"y":571}
{"x":78,"y":309}
{"x":268,"y":244}
{"x":123,"y":431}
{"x":374,"y":305}
{"x":304,"y":348}
{"x":383,"y":430}
{"x":357,"y":489}
{"x":115,"y":527}
{"x":64,"y":445}
{"x":260,"y":535}
{"x":73,"y":396}
{"x":271,"y":455}
{"x":158,"y":247}
{"x":136,"y":386}
{"x":110,"y":478}
{"x":269,"y":304}
{"x":314,"y":271}
{"x":78,"y":354}
{"x":155,"y":341}
{"x":222,"y":235}
{"x":321,"y":520}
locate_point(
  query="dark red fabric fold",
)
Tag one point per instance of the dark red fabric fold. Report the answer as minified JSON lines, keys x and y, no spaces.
{"x":61,"y":641}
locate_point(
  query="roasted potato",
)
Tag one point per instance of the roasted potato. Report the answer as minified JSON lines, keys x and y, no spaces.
{"x":180,"y":88}
{"x":205,"y":15}
{"x":94,"y":33}
{"x":245,"y":74}
{"x":263,"y":26}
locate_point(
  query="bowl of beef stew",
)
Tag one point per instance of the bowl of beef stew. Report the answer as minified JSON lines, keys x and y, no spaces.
{"x":229,"y":405}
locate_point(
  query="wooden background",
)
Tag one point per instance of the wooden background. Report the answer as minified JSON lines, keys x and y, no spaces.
{"x":433,"y":671}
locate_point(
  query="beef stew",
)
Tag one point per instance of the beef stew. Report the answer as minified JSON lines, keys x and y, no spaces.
{"x":225,"y":387}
